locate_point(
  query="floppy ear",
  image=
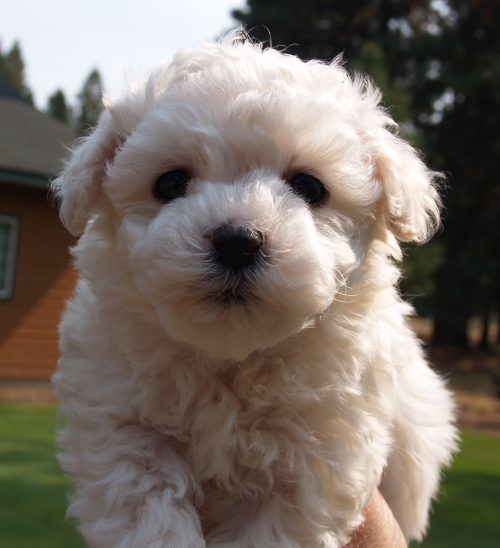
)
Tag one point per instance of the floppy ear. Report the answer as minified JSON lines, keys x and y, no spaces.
{"x":412,"y":202}
{"x":78,"y":186}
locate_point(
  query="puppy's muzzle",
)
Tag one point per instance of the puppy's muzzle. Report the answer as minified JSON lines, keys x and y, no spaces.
{"x":236,"y":248}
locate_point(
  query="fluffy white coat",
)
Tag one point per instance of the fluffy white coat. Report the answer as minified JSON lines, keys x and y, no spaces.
{"x":269,"y":422}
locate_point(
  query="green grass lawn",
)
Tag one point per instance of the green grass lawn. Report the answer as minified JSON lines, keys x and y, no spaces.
{"x":32,"y":488}
{"x":467,"y":512}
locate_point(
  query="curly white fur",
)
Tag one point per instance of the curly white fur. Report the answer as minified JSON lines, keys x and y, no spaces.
{"x":268,"y":422}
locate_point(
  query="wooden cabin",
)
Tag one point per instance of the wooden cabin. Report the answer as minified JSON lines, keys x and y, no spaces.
{"x":36,"y":275}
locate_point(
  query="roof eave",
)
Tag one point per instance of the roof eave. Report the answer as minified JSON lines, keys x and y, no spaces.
{"x":33,"y":180}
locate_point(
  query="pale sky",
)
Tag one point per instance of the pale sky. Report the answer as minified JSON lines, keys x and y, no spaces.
{"x":63,"y":40}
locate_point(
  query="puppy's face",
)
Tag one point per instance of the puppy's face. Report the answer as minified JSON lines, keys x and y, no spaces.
{"x":242,"y":192}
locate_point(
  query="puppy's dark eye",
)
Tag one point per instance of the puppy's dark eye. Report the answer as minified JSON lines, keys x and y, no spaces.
{"x":172,"y":185}
{"x":308,"y":187}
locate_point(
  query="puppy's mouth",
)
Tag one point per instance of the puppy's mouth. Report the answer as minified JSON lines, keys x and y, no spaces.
{"x":228,"y":297}
{"x":233,"y":288}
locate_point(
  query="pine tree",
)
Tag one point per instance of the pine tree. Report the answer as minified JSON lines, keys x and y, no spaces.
{"x":12,"y":71}
{"x":58,"y":108}
{"x":456,"y":91}
{"x":89,"y":102}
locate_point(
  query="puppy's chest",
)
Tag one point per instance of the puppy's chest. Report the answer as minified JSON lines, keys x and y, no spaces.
{"x":248,"y":421}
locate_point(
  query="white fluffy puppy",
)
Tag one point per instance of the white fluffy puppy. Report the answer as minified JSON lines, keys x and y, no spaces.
{"x":236,"y":366}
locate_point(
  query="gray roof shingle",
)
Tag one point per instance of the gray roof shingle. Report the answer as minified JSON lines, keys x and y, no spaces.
{"x":32,"y":145}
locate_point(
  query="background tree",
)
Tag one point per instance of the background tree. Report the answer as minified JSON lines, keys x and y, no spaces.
{"x":456,"y":93}
{"x":12,"y":71}
{"x":89,"y":102}
{"x":58,"y":108}
{"x":438,"y":62}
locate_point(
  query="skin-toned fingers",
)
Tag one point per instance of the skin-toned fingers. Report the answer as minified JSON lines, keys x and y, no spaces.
{"x":380,"y":529}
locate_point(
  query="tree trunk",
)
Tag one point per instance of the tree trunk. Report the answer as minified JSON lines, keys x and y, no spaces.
{"x":450,"y":333}
{"x":484,"y":343}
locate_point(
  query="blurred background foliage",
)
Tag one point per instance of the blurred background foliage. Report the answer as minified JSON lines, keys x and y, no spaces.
{"x":438,"y":65}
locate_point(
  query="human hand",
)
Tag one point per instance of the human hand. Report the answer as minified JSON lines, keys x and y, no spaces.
{"x":380,"y":529}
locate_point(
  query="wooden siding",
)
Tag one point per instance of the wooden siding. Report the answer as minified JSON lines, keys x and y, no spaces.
{"x":43,"y":280}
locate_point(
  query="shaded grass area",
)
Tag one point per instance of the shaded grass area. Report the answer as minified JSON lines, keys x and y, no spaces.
{"x":33,"y":489}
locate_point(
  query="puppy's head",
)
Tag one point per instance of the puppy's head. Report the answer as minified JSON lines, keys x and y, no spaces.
{"x":244,"y":187}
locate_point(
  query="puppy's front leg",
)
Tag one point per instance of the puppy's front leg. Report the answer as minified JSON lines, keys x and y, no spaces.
{"x":133,"y":490}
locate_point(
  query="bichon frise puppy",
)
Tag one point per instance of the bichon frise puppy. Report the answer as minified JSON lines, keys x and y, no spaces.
{"x":237,"y":369}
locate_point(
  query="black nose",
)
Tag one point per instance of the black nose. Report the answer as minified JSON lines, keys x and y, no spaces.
{"x":236,"y":248}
